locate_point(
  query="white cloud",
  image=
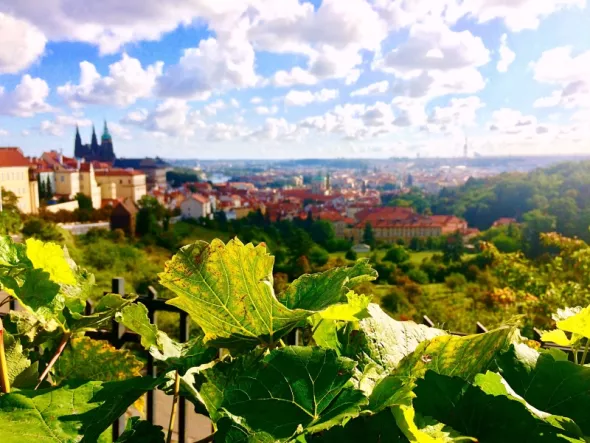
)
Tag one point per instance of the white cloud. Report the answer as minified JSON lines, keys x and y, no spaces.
{"x":234,"y":103}
{"x":212,"y":108}
{"x":278,"y":129}
{"x":58,"y":126}
{"x":27,"y":99}
{"x":265,"y":110}
{"x":4,"y":132}
{"x":256,"y":100}
{"x":172,"y":117}
{"x":126,"y":83}
{"x":459,"y":113}
{"x":372,"y":89}
{"x":432,"y":46}
{"x":507,"y":56}
{"x":304,"y":98}
{"x":222,"y":63}
{"x":119,"y":131}
{"x":431,"y":84}
{"x":22,"y":44}
{"x":296,"y":76}
{"x":512,"y":122}
{"x":570,"y":73}
{"x":518,"y":14}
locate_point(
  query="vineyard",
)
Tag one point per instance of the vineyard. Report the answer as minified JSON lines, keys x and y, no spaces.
{"x":357,"y":374}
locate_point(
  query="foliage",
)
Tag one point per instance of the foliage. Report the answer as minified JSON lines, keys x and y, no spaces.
{"x":10,"y":216}
{"x":397,"y":254}
{"x":359,"y":375}
{"x":42,"y":229}
{"x":369,"y":235}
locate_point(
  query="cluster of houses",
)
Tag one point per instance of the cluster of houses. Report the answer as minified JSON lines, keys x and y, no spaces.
{"x":123,"y":182}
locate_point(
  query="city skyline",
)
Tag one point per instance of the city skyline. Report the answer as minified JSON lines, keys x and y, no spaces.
{"x":331,"y":79}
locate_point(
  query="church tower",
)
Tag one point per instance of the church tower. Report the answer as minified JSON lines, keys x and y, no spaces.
{"x":107,"y":152}
{"x":94,"y":148}
{"x":78,"y":148}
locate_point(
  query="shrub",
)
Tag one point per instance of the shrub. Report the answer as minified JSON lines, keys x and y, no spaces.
{"x":350,"y":255}
{"x":418,"y":276}
{"x":397,"y":255}
{"x":455,"y":281}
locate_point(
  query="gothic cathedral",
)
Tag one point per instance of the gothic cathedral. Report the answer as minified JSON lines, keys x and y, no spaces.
{"x":95,"y":152}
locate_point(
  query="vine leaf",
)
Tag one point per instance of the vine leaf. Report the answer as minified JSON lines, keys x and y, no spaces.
{"x":52,"y":259}
{"x":16,"y":361}
{"x":77,"y":411}
{"x":87,"y":359}
{"x":177,"y":356}
{"x":228,"y":291}
{"x":419,"y":430}
{"x":470,"y":411}
{"x":316,"y":292}
{"x":556,"y":336}
{"x":385,"y":341}
{"x":288,"y":391}
{"x":550,"y":384}
{"x":354,"y":310}
{"x":577,"y":324}
{"x":141,"y":431}
{"x":458,"y":356}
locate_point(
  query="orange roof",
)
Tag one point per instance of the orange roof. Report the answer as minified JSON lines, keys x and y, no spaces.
{"x":12,"y":157}
{"x":200,"y":198}
{"x":117,"y":172}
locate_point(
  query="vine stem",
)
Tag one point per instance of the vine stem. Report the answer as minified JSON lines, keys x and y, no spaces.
{"x":174,"y":403}
{"x":58,"y":351}
{"x":4,"y":381}
{"x":585,"y":352}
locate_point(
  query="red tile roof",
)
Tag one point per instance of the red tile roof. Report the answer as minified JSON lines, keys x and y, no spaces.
{"x":117,"y":172}
{"x":199,"y":198}
{"x":12,"y":157}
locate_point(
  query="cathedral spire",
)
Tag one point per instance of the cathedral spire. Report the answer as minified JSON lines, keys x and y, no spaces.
{"x":94,"y":148}
{"x":78,"y":149}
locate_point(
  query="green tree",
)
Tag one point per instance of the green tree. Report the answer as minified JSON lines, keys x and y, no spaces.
{"x":397,"y":255}
{"x":48,"y":188}
{"x":10,"y":216}
{"x":149,"y":216}
{"x":318,"y":256}
{"x":369,"y":236}
{"x":535,"y":223}
{"x":84,"y":202}
{"x":453,"y":248}
{"x":350,"y":255}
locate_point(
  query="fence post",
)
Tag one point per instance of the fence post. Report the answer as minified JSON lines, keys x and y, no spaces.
{"x":426,"y":321}
{"x":117,"y":287}
{"x":481,"y":329}
{"x":184,"y":337}
{"x":151,"y":368}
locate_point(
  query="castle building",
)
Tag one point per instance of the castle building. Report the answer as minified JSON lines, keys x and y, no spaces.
{"x":95,"y":152}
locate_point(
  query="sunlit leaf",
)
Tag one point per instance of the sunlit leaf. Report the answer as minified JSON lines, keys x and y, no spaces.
{"x":52,"y":259}
{"x":557,"y":336}
{"x":578,"y":323}
{"x":88,"y":359}
{"x":77,"y":411}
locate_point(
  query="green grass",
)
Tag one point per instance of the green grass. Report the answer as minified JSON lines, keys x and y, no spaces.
{"x":415,"y":257}
{"x":191,"y":233}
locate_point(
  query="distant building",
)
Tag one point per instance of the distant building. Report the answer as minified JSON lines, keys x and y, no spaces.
{"x":124,"y":217}
{"x":154,"y":168}
{"x":122,"y":183}
{"x":95,"y":152}
{"x":195,"y":206}
{"x":504,"y":221}
{"x":361,"y":248}
{"x":17,"y":177}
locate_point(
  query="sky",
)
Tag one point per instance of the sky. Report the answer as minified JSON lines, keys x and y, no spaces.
{"x":228,"y":79}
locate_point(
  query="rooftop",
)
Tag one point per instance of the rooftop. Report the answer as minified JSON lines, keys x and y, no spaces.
{"x":12,"y":157}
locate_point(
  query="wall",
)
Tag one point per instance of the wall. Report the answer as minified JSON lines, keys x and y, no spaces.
{"x":67,"y":206}
{"x":16,"y":179}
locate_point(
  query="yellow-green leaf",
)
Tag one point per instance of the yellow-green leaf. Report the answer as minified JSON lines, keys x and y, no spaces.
{"x":354,"y":310}
{"x":557,"y":336}
{"x":87,"y":359}
{"x":228,"y":291}
{"x":577,"y":324}
{"x":50,"y":258}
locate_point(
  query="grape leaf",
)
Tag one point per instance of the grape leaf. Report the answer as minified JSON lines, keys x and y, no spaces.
{"x":287,"y":391}
{"x":104,"y":312}
{"x":457,"y":356}
{"x":228,"y":431}
{"x":557,"y":336}
{"x":141,"y":431}
{"x":227,"y":290}
{"x":77,"y":411}
{"x":40,"y":296}
{"x":555,"y":386}
{"x":178,"y":356}
{"x":16,"y":361}
{"x":373,"y":428}
{"x":418,"y":430}
{"x":578,"y":324}
{"x":469,"y":410}
{"x":52,"y":259}
{"x":385,"y":341}
{"x":87,"y":359}
{"x":353,"y":310}
{"x":318,"y":291}
{"x":11,"y":253}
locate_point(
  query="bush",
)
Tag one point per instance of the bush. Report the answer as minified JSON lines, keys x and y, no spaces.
{"x":42,"y":230}
{"x":350,"y":255}
{"x":397,"y":255}
{"x":318,"y":256}
{"x":418,"y":276}
{"x":455,"y":281}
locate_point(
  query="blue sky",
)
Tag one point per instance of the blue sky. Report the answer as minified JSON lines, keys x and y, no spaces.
{"x":287,"y":78}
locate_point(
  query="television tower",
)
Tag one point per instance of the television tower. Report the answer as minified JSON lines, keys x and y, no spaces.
{"x":466,"y":149}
